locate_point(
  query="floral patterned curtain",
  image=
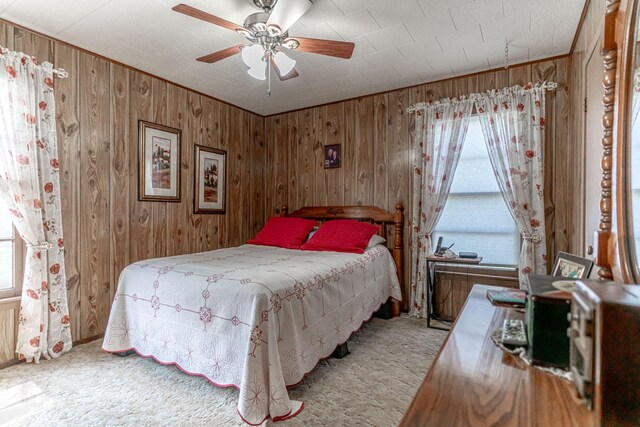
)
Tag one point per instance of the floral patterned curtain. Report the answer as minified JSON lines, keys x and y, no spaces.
{"x":513,"y":121}
{"x":441,"y":128}
{"x":30,"y":187}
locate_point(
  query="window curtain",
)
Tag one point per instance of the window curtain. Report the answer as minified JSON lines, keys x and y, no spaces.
{"x":513,"y":121}
{"x":440,"y":131}
{"x":29,"y":184}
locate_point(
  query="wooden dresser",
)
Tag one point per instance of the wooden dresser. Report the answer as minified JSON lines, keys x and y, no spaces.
{"x":474,"y":383}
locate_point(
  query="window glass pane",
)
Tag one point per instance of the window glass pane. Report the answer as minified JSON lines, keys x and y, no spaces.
{"x":476,"y":217}
{"x":6,"y":227}
{"x":6,"y":265}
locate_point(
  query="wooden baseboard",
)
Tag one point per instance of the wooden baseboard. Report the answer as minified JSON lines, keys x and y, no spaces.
{"x":10,"y":363}
{"x":88,"y":339}
{"x":75,"y":343}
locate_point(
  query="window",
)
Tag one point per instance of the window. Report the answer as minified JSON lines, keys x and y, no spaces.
{"x":476,"y":217}
{"x":11,"y":256}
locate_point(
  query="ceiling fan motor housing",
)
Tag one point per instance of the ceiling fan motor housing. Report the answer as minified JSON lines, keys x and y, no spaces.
{"x":257,"y":32}
{"x":265,"y":5}
{"x":257,"y":22}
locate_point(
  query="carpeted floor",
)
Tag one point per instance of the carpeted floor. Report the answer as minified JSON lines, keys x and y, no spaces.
{"x":372,"y":386}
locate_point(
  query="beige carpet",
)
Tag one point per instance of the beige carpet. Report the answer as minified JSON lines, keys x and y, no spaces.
{"x":372,"y":386}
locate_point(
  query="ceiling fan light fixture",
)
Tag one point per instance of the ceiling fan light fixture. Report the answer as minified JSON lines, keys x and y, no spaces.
{"x":252,"y":55}
{"x":244,"y":32}
{"x":259,"y":72}
{"x":291,"y":44}
{"x":284,"y":63}
{"x":274,"y":30}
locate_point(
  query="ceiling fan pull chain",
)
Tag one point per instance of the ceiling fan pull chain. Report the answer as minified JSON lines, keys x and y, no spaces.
{"x":506,"y":54}
{"x":269,"y":73}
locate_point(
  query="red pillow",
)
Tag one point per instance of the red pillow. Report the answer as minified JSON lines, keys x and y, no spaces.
{"x":284,"y":232}
{"x":341,"y":235}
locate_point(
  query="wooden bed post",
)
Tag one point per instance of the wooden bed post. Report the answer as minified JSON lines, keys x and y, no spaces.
{"x":285,"y":210}
{"x":398,"y":258}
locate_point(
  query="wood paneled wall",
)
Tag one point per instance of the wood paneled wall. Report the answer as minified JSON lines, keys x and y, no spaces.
{"x":105,"y":226}
{"x":376,"y":136}
{"x":272,"y":161}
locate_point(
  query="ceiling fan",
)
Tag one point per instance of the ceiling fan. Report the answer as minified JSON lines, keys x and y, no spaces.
{"x":268,"y":33}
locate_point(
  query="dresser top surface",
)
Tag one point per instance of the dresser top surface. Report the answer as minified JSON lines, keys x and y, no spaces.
{"x":473,"y":382}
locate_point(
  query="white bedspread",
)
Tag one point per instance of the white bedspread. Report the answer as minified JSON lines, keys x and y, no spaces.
{"x":253,"y":317}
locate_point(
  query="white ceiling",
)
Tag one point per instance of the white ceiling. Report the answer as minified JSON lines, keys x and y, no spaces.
{"x":399,"y":43}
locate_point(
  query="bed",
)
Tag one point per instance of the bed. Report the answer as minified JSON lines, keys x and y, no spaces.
{"x":254,"y":317}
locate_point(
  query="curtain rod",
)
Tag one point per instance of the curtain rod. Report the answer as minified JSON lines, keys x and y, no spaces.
{"x":61,"y":73}
{"x":551,"y":86}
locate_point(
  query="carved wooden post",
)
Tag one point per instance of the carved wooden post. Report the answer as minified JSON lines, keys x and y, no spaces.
{"x":398,"y":219}
{"x":610,"y":55}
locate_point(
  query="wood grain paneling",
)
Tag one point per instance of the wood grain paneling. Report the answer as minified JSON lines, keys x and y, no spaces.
{"x":454,"y":282}
{"x":120,"y":173}
{"x":159,"y":210}
{"x":334,"y":134}
{"x":211,"y":138}
{"x":235,"y":203}
{"x":193,"y":135}
{"x":105,"y":226}
{"x":225,"y":122}
{"x":257,"y":172}
{"x":318,"y":151}
{"x":94,"y":223}
{"x":305,"y":160}
{"x":68,"y":133}
{"x":9,"y":312}
{"x":140,"y":108}
{"x":376,"y":135}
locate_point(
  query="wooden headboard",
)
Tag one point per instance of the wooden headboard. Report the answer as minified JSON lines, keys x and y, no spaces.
{"x":370,"y":214}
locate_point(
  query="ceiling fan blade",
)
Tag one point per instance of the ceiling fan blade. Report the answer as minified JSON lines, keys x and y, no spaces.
{"x":221,"y":54}
{"x":292,"y":74}
{"x":325,"y":47}
{"x":200,"y":14}
{"x":285,"y":13}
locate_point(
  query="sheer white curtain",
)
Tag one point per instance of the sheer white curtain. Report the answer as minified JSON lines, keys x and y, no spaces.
{"x":635,"y":101}
{"x":440,"y":131}
{"x":29,"y":185}
{"x":513,"y":121}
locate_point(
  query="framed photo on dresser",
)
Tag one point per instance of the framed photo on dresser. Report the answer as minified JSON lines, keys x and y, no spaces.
{"x":569,"y":265}
{"x":158,"y":163}
{"x":210,"y":180}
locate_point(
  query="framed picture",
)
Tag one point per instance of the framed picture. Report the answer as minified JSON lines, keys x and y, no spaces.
{"x":332,"y":156}
{"x":158,"y":163}
{"x":568,"y":265}
{"x":210,"y":180}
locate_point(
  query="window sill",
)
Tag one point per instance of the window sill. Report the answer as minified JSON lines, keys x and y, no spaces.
{"x":9,"y":300}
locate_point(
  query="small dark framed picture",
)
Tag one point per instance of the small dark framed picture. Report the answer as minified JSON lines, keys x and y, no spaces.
{"x":158,"y":163}
{"x":332,"y":156}
{"x":210,"y":180}
{"x":575,"y":267}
